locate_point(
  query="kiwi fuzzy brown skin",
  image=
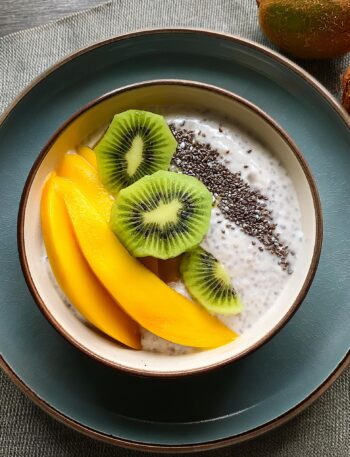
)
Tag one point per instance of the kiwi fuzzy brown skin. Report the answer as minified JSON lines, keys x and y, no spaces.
{"x":308,"y":29}
{"x":346,"y":90}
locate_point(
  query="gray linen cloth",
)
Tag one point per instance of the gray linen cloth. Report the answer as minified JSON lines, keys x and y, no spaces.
{"x":323,"y":429}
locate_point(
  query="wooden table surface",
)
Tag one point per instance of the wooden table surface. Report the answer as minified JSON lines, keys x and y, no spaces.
{"x":16,"y":15}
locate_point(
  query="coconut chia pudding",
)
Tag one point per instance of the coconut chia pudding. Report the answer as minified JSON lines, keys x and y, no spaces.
{"x":255,"y":227}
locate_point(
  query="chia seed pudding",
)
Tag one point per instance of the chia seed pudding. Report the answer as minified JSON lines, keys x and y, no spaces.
{"x":255,"y":229}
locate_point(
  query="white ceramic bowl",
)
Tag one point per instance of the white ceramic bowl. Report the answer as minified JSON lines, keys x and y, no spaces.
{"x":96,"y":115}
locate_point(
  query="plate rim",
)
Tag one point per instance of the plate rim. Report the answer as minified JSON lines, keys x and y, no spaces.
{"x":199,"y":31}
{"x":175,"y":449}
{"x":255,"y":432}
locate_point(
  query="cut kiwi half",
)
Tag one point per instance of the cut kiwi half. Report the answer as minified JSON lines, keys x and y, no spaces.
{"x":137,"y":143}
{"x":207,"y":281}
{"x":162,"y":215}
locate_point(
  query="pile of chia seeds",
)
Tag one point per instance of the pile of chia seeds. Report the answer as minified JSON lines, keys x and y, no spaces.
{"x":238,"y":202}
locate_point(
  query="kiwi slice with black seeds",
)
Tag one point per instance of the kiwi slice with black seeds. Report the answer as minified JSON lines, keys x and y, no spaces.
{"x":207,"y":281}
{"x":137,"y":143}
{"x":162,"y":215}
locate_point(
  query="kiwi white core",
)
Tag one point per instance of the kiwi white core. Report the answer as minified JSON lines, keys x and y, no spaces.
{"x":163,"y":214}
{"x":134,"y":155}
{"x":221,"y":273}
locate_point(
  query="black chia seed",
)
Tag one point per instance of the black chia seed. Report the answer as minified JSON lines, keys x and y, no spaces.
{"x":238,"y":202}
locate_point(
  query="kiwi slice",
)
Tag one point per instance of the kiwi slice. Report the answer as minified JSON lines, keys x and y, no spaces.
{"x":207,"y":281}
{"x":136,"y":144}
{"x":162,"y":215}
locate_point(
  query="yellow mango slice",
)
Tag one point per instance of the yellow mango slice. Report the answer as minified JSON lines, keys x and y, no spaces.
{"x":84,"y":175}
{"x":88,"y":155}
{"x":74,"y":275}
{"x":151,"y":263}
{"x":169,"y":269}
{"x":146,"y":298}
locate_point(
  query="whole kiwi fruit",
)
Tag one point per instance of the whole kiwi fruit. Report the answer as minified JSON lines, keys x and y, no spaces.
{"x":346,"y":90}
{"x":309,"y":29}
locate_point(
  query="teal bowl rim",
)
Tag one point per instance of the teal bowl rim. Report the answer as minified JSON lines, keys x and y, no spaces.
{"x":257,"y":431}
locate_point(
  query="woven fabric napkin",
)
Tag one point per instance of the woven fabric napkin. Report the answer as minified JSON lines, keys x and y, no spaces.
{"x":323,"y":429}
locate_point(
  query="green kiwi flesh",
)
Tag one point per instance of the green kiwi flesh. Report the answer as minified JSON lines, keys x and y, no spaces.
{"x":162,"y":215}
{"x":207,"y":281}
{"x":137,"y":143}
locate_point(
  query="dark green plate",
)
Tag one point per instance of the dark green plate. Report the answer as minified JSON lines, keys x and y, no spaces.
{"x":252,"y":395}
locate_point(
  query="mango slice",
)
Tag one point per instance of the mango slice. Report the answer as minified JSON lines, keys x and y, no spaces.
{"x":151,"y":263}
{"x":74,"y":275}
{"x":169,"y":269}
{"x":88,"y":155}
{"x":84,"y":175}
{"x":147,"y":299}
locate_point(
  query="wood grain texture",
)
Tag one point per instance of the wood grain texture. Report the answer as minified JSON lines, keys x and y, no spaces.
{"x":17,"y":15}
